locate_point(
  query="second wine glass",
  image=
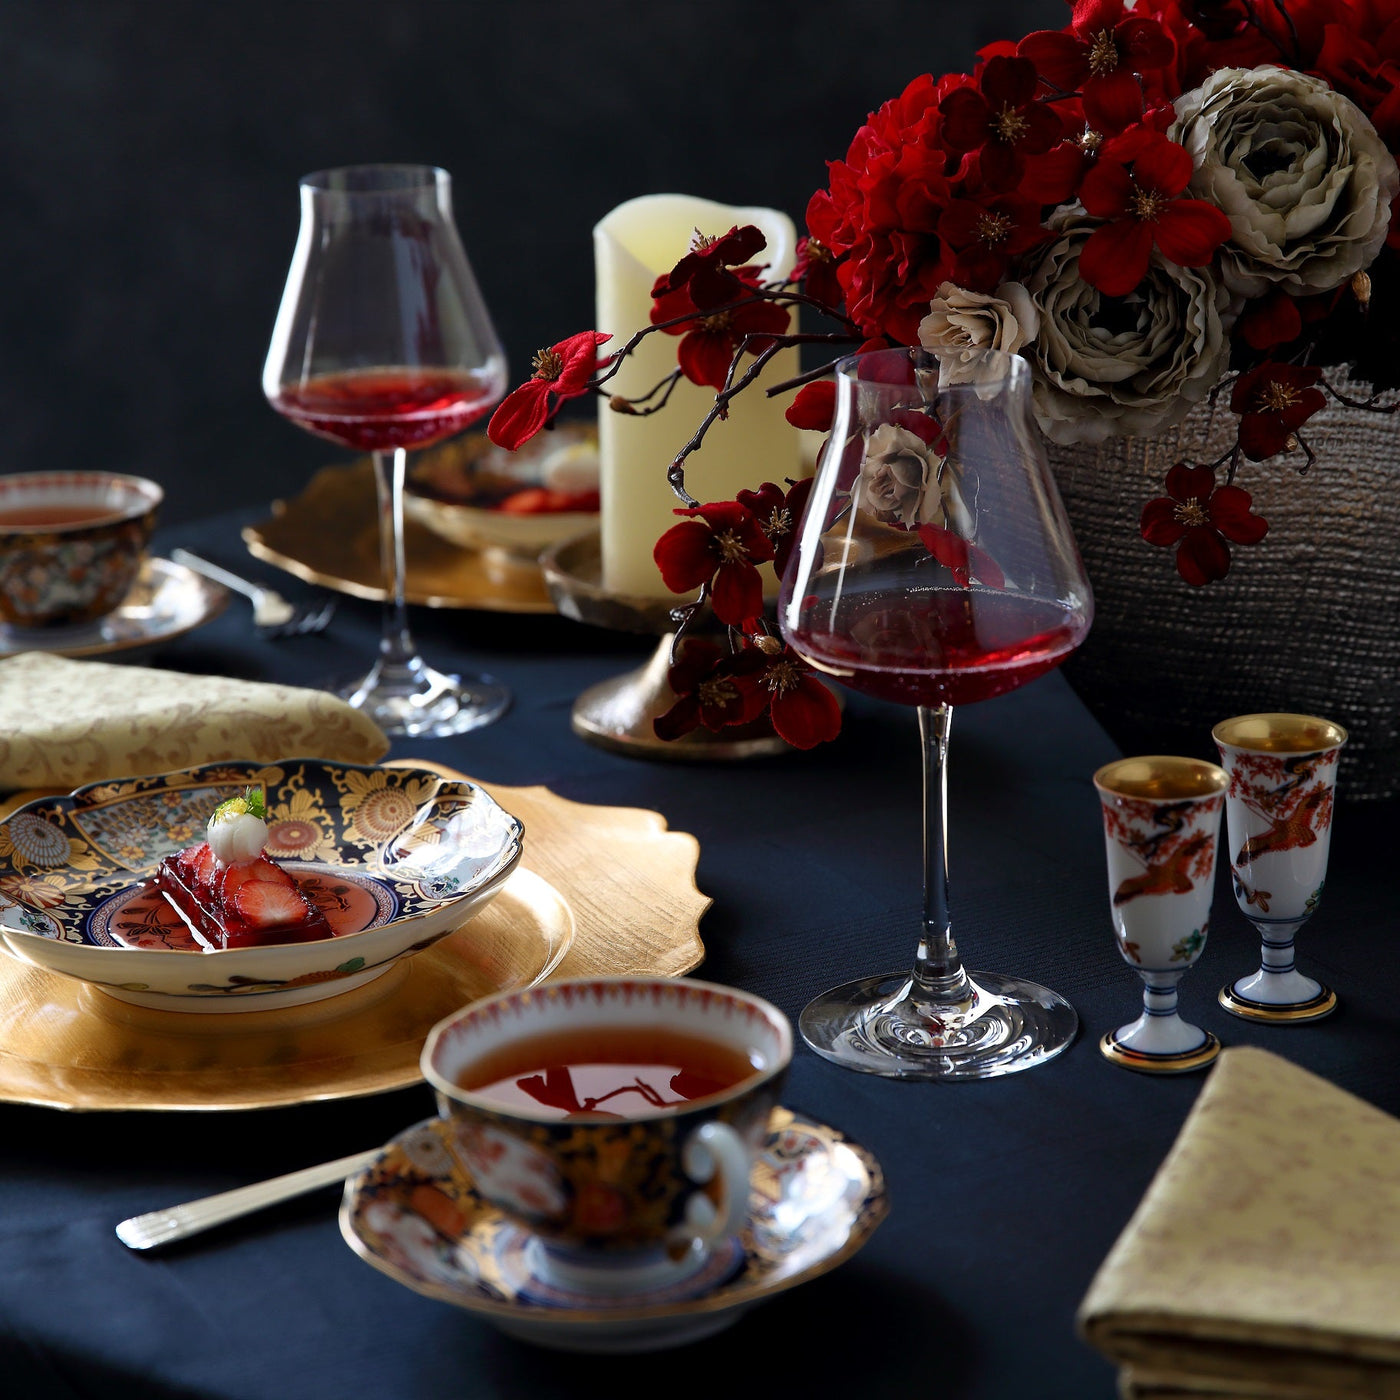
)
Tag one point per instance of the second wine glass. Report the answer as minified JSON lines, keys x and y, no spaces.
{"x":383,"y":344}
{"x":934,"y":567}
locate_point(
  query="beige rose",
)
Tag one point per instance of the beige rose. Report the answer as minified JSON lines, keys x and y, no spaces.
{"x":1120,"y":366}
{"x":1304,"y":179}
{"x":899,"y":476}
{"x":962,"y":328}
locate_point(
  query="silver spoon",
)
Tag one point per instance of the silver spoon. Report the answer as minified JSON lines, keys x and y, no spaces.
{"x":273,"y":614}
{"x":161,"y":1227}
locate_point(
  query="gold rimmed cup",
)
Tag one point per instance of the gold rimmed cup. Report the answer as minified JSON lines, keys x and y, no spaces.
{"x":1161,"y":817}
{"x":1283,"y":774}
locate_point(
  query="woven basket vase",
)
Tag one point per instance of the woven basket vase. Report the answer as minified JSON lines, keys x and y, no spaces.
{"x":1308,"y":620}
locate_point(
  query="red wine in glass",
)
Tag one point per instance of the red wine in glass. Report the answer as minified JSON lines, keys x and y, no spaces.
{"x":934,"y":567}
{"x":377,"y":410}
{"x":383,"y":344}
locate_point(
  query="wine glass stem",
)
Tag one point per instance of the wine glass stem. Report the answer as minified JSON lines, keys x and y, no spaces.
{"x":396,"y":644}
{"x":938,"y":970}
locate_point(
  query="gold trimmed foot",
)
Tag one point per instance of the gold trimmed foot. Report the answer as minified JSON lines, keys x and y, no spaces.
{"x":1182,"y":1063}
{"x":1292,"y":1013}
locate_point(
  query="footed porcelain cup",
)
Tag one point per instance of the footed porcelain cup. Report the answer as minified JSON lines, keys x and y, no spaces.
{"x":640,"y":1185}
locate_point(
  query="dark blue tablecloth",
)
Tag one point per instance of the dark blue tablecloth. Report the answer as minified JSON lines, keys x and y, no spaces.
{"x":1005,"y":1195}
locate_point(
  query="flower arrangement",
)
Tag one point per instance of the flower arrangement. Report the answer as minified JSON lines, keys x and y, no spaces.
{"x":1153,"y":206}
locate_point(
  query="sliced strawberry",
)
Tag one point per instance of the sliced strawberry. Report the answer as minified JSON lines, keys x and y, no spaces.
{"x":203,"y":867}
{"x":532,"y":501}
{"x":269,"y":904}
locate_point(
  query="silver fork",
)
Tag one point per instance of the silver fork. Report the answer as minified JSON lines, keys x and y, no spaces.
{"x":273,"y":614}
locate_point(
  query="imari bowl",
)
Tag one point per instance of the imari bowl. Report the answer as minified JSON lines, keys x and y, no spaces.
{"x":395,"y":858}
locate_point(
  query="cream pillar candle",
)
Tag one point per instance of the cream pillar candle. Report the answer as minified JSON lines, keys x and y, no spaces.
{"x":632,"y":247}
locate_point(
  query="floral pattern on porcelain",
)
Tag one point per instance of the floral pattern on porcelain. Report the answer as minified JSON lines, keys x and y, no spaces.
{"x":387,"y":893}
{"x":1161,"y":855}
{"x":57,"y":579}
{"x":814,"y":1199}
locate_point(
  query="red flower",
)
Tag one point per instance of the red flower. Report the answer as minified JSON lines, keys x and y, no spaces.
{"x":985,"y":236}
{"x":1274,"y":401}
{"x":804,"y":712}
{"x":720,"y":545}
{"x":1199,"y":517}
{"x":1273,"y":320}
{"x":1002,"y":122}
{"x":1135,"y":185}
{"x":813,"y":407}
{"x":815,"y":268}
{"x":707,"y":269}
{"x":963,"y":560}
{"x":564,"y":371}
{"x":1100,"y":57}
{"x":714,"y":333}
{"x":713,"y":688}
{"x":778,"y":514}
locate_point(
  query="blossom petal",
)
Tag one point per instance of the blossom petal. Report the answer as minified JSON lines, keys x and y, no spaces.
{"x":580,"y":356}
{"x":1113,"y":100}
{"x":1106,"y":190}
{"x":705,"y":357}
{"x":737,"y":593}
{"x":1159,"y":523}
{"x":1190,"y":230}
{"x":520,"y":415}
{"x":1186,"y":483}
{"x":1143,"y":42}
{"x":1230,"y":514}
{"x":1163,"y":166}
{"x":1115,"y":257}
{"x":807,"y":715}
{"x":965,"y":118}
{"x":685,"y":556}
{"x":814,"y":407}
{"x":1202,"y":557}
{"x":1059,"y":58}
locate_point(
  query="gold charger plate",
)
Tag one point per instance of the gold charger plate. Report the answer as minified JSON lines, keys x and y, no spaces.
{"x":329,"y":535}
{"x":608,"y":891}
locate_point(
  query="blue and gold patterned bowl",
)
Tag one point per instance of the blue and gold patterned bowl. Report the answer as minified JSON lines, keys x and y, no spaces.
{"x":395,"y":858}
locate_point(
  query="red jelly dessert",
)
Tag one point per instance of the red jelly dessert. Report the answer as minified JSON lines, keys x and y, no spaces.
{"x":242,"y":901}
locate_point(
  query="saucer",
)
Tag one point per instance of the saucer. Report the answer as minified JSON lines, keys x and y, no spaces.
{"x":166,"y":601}
{"x":814,"y":1199}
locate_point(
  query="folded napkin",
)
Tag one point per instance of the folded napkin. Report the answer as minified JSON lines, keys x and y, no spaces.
{"x":1264,"y":1260}
{"x":63,"y":723}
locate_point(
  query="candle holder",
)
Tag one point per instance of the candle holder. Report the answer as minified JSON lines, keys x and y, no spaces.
{"x":617,"y":714}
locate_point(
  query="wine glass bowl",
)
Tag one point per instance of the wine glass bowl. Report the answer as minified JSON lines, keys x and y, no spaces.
{"x":383,"y":344}
{"x":934,"y":567}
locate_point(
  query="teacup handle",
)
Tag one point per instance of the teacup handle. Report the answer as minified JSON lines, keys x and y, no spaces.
{"x":715,"y":1147}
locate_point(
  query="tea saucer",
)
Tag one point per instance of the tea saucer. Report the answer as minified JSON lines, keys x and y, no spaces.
{"x":166,"y":601}
{"x":815,"y":1198}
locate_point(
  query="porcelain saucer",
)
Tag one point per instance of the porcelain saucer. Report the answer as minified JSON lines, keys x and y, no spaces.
{"x":166,"y":601}
{"x":815,"y":1198}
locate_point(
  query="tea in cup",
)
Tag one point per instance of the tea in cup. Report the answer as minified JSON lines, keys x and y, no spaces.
{"x":615,"y":1119}
{"x":71,"y":544}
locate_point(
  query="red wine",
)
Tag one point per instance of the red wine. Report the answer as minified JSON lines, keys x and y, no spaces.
{"x":373,"y":410}
{"x":605,"y":1071}
{"x":938,"y":646}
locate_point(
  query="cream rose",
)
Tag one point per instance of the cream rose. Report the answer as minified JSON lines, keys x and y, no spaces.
{"x":899,"y":476}
{"x":962,"y":327}
{"x":1304,"y":179}
{"x":1120,"y":366}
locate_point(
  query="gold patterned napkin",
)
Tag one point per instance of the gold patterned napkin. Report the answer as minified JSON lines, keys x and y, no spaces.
{"x":63,"y":723}
{"x":1264,"y":1260}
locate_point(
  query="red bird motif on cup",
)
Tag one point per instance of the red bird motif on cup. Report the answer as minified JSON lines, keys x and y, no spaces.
{"x":1291,"y":832}
{"x":1167,"y":877}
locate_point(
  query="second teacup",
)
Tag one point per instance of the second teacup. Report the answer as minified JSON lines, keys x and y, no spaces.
{"x":616,"y":1120}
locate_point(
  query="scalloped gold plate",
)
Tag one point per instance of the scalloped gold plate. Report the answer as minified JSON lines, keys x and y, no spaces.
{"x":329,"y":536}
{"x":609,"y":890}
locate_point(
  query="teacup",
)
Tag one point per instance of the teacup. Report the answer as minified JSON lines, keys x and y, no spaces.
{"x":615,"y":1119}
{"x":71,"y":544}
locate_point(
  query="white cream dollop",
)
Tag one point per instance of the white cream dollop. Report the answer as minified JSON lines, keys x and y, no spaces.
{"x":236,"y":836}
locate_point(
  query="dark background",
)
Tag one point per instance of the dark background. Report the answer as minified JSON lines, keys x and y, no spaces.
{"x":149,"y":154}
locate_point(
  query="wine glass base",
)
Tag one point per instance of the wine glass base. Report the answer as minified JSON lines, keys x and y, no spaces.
{"x":1279,"y":1013}
{"x":867,"y":1025}
{"x":419,"y":702}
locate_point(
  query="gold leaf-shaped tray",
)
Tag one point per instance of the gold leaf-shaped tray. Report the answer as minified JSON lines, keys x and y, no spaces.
{"x":608,"y":891}
{"x":329,"y":535}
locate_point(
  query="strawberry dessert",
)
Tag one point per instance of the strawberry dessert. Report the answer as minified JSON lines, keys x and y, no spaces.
{"x":232,"y":895}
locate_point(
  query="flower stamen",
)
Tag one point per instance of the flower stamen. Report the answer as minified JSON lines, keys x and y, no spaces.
{"x":547,"y":364}
{"x":718,"y":322}
{"x":778,"y":523}
{"x":1010,"y":125}
{"x":1146,"y":204}
{"x":731,"y":548}
{"x":1103,"y":54}
{"x":992,"y":229}
{"x":716,"y":693}
{"x":783,"y":676}
{"x":1191,"y":512}
{"x":1275,"y":396}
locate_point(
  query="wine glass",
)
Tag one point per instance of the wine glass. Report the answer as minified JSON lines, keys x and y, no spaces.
{"x":383,"y":343}
{"x":934,"y":567}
